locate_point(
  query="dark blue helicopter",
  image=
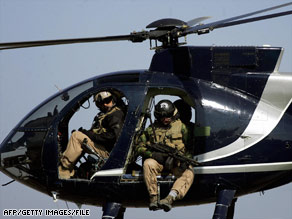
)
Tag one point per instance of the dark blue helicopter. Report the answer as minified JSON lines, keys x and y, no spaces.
{"x":242,"y":115}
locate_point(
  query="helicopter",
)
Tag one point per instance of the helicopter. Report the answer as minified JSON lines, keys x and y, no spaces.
{"x":170,"y":88}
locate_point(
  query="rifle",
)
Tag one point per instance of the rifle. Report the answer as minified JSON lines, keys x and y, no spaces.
{"x":172,"y":152}
{"x":100,"y":160}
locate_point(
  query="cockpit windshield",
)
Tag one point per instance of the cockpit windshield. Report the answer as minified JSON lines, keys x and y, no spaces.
{"x":21,"y":152}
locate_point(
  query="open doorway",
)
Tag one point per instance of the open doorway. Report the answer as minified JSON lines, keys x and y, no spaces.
{"x":185,"y":111}
{"x":89,"y":132}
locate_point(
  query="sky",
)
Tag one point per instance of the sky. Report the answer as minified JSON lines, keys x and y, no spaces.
{"x":28,"y":76}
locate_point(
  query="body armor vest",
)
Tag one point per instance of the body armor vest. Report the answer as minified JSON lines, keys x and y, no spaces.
{"x":97,"y":127}
{"x":171,"y":137}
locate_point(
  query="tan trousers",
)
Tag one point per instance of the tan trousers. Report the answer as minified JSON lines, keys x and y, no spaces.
{"x":182,"y":184}
{"x":74,"y":149}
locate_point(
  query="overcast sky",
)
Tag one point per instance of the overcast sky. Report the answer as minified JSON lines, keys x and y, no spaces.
{"x":28,"y":76}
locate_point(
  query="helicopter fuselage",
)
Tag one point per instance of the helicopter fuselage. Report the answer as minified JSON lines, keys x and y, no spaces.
{"x":242,"y":137}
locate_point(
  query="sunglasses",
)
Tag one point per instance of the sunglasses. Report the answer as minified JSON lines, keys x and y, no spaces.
{"x":105,"y":101}
{"x":166,"y":115}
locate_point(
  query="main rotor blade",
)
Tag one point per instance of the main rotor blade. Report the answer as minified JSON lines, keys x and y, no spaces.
{"x":196,"y":20}
{"x":134,"y":37}
{"x":213,"y":25}
{"x":249,"y":20}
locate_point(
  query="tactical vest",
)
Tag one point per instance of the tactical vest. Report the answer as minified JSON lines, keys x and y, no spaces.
{"x":97,"y":127}
{"x":171,"y":137}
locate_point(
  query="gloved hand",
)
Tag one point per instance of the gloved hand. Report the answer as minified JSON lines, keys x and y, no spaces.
{"x":89,"y":133}
{"x":159,"y":157}
{"x":81,"y":129}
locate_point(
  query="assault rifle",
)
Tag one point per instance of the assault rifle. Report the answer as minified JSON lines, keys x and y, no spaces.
{"x":174,"y":153}
{"x":100,"y":160}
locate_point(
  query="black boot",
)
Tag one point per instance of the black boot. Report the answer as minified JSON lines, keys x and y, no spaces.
{"x":153,"y":206}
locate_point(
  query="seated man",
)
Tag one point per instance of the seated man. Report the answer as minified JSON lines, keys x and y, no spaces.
{"x":171,"y":132}
{"x":101,"y":137}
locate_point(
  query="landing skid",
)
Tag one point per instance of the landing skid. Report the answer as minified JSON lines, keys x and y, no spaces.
{"x":224,"y":207}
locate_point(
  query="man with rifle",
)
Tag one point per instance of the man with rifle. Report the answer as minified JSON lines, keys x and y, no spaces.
{"x":162,"y":145}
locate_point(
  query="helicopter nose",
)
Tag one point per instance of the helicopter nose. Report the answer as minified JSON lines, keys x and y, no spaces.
{"x":13,"y":158}
{"x":20,"y":157}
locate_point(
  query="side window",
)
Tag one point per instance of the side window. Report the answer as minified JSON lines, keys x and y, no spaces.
{"x":89,"y":131}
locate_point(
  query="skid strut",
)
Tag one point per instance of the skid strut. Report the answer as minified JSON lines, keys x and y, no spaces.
{"x":225,"y":202}
{"x":113,"y":210}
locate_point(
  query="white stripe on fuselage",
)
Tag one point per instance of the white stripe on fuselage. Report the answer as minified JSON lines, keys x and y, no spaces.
{"x":275,"y":100}
{"x":240,"y":168}
{"x":111,"y":172}
{"x":244,"y":168}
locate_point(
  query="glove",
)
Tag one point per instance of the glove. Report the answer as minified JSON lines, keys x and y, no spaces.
{"x":81,"y":129}
{"x":89,"y":133}
{"x":159,"y":157}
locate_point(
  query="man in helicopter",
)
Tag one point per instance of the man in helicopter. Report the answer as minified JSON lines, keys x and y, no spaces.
{"x":171,"y":132}
{"x":101,"y":137}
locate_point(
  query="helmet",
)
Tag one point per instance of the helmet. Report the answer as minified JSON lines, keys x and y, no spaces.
{"x":103,"y":97}
{"x":164,"y":108}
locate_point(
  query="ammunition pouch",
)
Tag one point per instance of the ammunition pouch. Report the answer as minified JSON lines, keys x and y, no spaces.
{"x":183,"y":166}
{"x":159,"y":157}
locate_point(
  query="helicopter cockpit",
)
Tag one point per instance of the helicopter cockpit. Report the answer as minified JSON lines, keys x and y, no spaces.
{"x":44,"y":132}
{"x":83,"y":115}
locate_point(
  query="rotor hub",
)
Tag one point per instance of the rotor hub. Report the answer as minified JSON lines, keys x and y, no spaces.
{"x":167,"y":32}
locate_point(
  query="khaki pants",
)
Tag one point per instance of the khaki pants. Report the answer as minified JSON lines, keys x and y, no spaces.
{"x":182,"y":184}
{"x":74,"y":149}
